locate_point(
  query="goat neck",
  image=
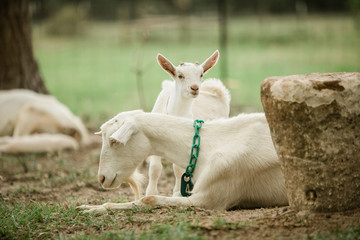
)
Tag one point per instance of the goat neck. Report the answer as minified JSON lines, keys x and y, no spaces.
{"x":178,"y":104}
{"x":167,"y":139}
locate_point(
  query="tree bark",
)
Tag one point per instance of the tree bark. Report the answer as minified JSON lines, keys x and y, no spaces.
{"x":18,"y":67}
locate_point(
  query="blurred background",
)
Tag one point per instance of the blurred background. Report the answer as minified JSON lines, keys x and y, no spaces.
{"x":99,"y":57}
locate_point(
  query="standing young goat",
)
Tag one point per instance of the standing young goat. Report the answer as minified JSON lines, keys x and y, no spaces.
{"x":237,"y":164}
{"x":183,"y":97}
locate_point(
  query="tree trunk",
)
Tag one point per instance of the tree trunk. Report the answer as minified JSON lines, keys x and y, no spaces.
{"x":314,"y":121}
{"x":18,"y":67}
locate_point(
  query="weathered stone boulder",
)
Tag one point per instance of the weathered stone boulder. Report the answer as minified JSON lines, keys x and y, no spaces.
{"x":315,"y":126}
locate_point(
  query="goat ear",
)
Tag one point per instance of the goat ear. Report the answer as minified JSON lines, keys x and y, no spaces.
{"x":124,"y":133}
{"x":166,"y":65}
{"x":99,"y":133}
{"x":211,"y":61}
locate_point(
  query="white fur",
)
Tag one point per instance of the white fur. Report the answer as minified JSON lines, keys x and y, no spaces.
{"x":42,"y":142}
{"x":29,"y":118}
{"x":209,"y":100}
{"x":237,"y":164}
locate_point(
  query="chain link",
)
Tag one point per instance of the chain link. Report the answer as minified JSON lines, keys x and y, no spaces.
{"x":195,"y":148}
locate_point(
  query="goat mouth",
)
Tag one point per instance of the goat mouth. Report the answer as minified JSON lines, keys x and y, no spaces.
{"x":194,"y":94}
{"x":111,"y":185}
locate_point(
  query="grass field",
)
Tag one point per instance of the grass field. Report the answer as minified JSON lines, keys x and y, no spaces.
{"x":39,"y":194}
{"x":94,"y":74}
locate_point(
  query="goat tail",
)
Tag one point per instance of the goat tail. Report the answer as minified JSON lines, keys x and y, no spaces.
{"x":167,"y":84}
{"x":216,"y":87}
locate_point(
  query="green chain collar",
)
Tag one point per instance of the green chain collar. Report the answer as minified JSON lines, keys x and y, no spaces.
{"x":186,"y":184}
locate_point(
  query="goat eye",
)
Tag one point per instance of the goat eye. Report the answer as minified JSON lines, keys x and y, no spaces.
{"x":201,"y":75}
{"x":112,"y":142}
{"x":181,"y":77}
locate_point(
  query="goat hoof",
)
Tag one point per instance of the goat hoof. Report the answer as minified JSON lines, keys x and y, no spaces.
{"x":90,"y":209}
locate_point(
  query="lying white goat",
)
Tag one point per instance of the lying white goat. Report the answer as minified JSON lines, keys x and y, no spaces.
{"x":33,"y":122}
{"x":40,"y":142}
{"x":188,"y":97}
{"x":237,"y":164}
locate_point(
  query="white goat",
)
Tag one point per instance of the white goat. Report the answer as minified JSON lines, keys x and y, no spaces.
{"x":32,"y":122}
{"x":183,"y":97}
{"x":237,"y":164}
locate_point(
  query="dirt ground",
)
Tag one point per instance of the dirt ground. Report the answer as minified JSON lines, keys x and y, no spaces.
{"x":70,"y":178}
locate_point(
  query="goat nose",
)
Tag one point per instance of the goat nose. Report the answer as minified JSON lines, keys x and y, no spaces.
{"x":101,"y":179}
{"x":194,"y":87}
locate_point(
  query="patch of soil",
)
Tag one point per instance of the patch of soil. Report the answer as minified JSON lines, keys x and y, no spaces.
{"x":71,"y":178}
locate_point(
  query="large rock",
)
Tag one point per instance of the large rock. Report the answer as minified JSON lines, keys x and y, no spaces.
{"x":315,"y":126}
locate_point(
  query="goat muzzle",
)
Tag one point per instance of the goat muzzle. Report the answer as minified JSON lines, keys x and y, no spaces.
{"x":101,"y":179}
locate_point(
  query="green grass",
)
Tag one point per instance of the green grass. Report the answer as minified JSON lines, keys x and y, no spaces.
{"x":350,"y":233}
{"x":182,"y":231}
{"x":41,"y":204}
{"x":94,"y":74}
{"x":43,"y":221}
{"x":25,"y":221}
{"x":62,"y":221}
